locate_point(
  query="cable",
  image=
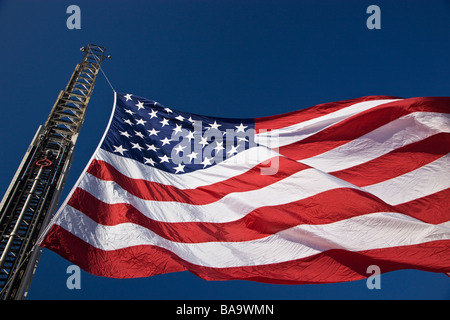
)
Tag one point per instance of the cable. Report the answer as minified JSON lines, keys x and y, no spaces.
{"x":101,"y":69}
{"x":104,"y":74}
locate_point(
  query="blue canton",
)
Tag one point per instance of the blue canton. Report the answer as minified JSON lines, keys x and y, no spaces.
{"x":171,"y":140}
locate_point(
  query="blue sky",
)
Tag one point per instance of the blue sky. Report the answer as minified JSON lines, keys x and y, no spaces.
{"x":229,"y":58}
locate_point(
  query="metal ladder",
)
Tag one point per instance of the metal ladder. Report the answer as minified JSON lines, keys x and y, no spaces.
{"x":34,"y":192}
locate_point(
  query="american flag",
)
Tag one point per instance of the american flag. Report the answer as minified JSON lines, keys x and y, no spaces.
{"x":312,"y":196}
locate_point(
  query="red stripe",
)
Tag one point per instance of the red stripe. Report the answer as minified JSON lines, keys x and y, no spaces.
{"x":326,"y":267}
{"x":397,"y":162}
{"x":433,"y":208}
{"x":247,"y":181}
{"x":130,"y":262}
{"x":361,"y":124}
{"x":323,"y":208}
{"x":294,"y":117}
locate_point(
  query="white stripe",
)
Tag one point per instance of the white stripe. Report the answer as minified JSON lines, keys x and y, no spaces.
{"x":299,"y":131}
{"x":431,"y":178}
{"x":426,"y":180}
{"x":396,"y":134}
{"x":233,"y":206}
{"x":411,"y":128}
{"x":373,"y":231}
{"x":226,"y":169}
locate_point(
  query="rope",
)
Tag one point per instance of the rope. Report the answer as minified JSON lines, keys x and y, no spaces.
{"x":104,"y":74}
{"x":101,"y":69}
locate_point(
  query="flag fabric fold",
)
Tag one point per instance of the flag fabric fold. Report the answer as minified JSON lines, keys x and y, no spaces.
{"x":312,"y":196}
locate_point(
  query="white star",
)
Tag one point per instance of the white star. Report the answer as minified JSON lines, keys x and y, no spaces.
{"x":164,"y":158}
{"x":136,"y":146}
{"x":191,"y":120}
{"x":128,"y":121}
{"x":190,"y":135}
{"x":124,"y":133}
{"x":179,"y":148}
{"x":150,"y":161}
{"x":153,"y":114}
{"x":165,"y":141}
{"x":206,"y":162}
{"x":179,"y":168}
{"x":139,"y":134}
{"x":180,"y":118}
{"x":219,"y":146}
{"x":168,"y":110}
{"x":241,"y":128}
{"x":177,"y":129}
{"x":193,"y":155}
{"x":214,"y":125}
{"x":242,"y":139}
{"x":119,"y":149}
{"x":151,"y":147}
{"x":140,"y":105}
{"x":204,"y":141}
{"x":128,"y":96}
{"x":164,"y":122}
{"x":141,"y":121}
{"x":153,"y":132}
{"x":233,"y":150}
{"x":129,"y":111}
